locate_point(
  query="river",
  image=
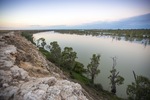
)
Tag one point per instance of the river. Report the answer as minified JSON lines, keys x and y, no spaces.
{"x":130,"y":55}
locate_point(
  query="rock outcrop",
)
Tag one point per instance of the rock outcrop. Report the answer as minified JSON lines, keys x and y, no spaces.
{"x":26,"y":75}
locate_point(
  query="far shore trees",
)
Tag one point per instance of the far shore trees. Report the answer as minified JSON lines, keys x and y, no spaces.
{"x":92,"y":67}
{"x":115,"y":78}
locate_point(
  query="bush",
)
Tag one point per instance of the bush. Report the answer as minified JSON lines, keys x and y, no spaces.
{"x":28,"y":36}
{"x":45,"y":52}
{"x":80,"y":77}
{"x":79,"y":68}
{"x":98,"y":87}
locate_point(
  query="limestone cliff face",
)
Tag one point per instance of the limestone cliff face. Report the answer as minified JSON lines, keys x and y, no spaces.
{"x":26,"y":75}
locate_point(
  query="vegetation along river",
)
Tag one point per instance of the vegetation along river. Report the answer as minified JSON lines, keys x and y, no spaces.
{"x":131,"y":55}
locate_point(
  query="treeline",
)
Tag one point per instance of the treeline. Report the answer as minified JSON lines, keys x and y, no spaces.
{"x":66,"y":60}
{"x":143,"y":33}
{"x":140,"y":35}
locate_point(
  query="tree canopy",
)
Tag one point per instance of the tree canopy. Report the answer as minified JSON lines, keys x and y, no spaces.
{"x":43,"y":43}
{"x":68,"y":58}
{"x":140,"y":89}
{"x":55,"y":53}
{"x":115,"y":78}
{"x":92,"y":67}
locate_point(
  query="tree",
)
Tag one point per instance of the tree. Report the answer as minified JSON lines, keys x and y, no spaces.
{"x":79,"y":68}
{"x":55,"y":53}
{"x":140,"y":89}
{"x":68,"y":58}
{"x":43,"y":43}
{"x":92,"y":67}
{"x":115,"y":78}
{"x":48,"y":47}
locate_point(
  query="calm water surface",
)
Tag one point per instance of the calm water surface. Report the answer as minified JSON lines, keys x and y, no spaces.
{"x":130,"y":55}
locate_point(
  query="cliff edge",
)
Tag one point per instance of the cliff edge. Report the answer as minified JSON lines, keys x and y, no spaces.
{"x":25,"y":74}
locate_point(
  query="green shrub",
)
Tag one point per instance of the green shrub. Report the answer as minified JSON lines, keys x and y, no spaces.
{"x":98,"y":87}
{"x":45,"y":52}
{"x":28,"y":36}
{"x":79,"y":68}
{"x":80,"y":77}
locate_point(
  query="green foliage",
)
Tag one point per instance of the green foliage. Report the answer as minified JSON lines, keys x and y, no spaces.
{"x":98,"y":87}
{"x":28,"y":36}
{"x":128,"y":34}
{"x":118,"y":32}
{"x":79,"y":68}
{"x":68,"y":58}
{"x":80,"y":77}
{"x":43,"y":43}
{"x":55,"y":53}
{"x":45,"y":52}
{"x":115,"y":78}
{"x":140,"y":89}
{"x":92,"y":67}
{"x":119,"y":80}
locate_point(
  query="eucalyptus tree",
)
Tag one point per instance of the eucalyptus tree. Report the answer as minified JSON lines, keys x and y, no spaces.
{"x":140,"y":89}
{"x":68,"y":58}
{"x":55,"y":53}
{"x":48,"y":47}
{"x":115,"y":78}
{"x":79,"y":68}
{"x":43,"y":43}
{"x":92,"y":68}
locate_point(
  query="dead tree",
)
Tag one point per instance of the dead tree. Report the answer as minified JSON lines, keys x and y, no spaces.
{"x":115,"y":78}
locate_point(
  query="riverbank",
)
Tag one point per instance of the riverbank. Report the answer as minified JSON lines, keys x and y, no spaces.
{"x":34,"y":67}
{"x":95,"y":91}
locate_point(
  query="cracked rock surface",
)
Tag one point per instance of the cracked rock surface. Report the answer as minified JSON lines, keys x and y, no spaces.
{"x":26,"y":75}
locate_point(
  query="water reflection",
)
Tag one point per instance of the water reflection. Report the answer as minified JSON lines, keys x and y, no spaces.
{"x":136,"y":36}
{"x":143,"y":41}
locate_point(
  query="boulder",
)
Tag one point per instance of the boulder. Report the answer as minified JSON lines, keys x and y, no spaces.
{"x":5,"y":76}
{"x":19,"y":73}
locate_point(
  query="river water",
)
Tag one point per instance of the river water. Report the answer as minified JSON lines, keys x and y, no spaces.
{"x":130,"y":55}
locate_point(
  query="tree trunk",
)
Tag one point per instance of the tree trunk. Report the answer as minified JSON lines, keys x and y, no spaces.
{"x":113,"y":88}
{"x":114,"y":75}
{"x":92,"y":79}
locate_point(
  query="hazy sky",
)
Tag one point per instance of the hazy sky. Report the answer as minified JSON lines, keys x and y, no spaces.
{"x":23,"y":13}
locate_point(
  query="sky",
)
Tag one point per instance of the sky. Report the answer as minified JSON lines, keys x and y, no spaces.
{"x":19,"y":14}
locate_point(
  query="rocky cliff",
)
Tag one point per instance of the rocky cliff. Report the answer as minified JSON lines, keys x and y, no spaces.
{"x":25,"y":74}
